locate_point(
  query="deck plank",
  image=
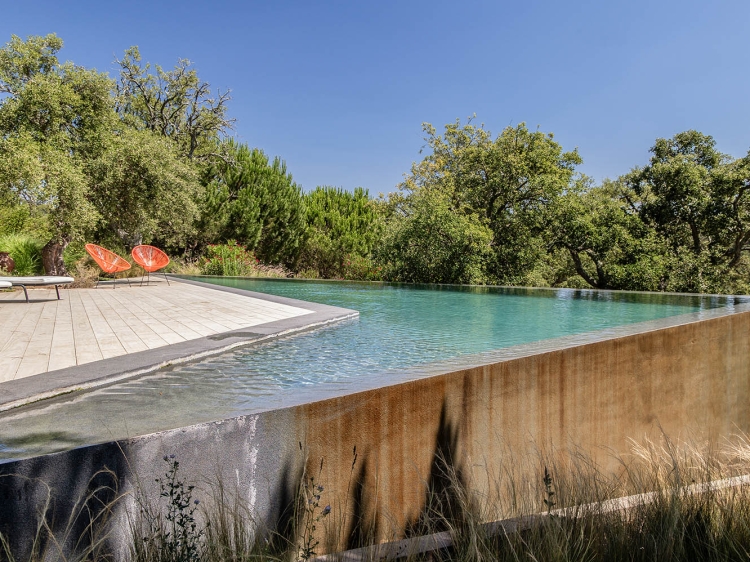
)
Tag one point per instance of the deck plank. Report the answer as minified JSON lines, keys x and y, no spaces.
{"x":93,"y":324}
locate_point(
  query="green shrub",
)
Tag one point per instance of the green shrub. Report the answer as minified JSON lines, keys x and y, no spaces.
{"x":361,"y":268}
{"x":26,"y":252}
{"x":74,"y":253}
{"x":341,"y":225}
{"x":17,"y":219}
{"x":430,"y":242}
{"x":228,"y":259}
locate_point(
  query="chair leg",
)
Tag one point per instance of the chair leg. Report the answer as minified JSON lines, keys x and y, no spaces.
{"x":165,"y":277}
{"x":25,"y":292}
{"x":57,"y":290}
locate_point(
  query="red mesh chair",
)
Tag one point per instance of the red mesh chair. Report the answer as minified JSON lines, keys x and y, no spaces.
{"x":108,"y":261}
{"x":150,"y":259}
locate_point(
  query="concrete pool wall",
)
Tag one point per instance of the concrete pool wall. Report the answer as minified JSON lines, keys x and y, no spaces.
{"x":693,"y":376}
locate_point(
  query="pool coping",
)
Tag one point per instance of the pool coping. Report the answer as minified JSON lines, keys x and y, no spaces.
{"x":17,"y":393}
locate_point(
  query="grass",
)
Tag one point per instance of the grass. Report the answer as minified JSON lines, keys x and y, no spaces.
{"x":681,"y":505}
{"x":26,"y":252}
{"x":233,"y":260}
{"x":83,"y":536}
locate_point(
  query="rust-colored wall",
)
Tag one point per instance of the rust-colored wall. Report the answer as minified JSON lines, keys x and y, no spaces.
{"x":689,"y":378}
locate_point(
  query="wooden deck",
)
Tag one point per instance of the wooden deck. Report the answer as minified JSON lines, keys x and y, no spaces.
{"x":92,"y":324}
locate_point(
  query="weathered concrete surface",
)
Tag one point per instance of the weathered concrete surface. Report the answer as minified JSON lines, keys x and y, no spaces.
{"x":691,"y":377}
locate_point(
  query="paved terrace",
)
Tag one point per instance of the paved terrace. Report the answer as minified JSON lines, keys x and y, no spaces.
{"x":93,"y":324}
{"x":94,"y":337}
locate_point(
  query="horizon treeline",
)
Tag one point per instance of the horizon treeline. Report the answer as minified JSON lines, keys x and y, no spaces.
{"x":147,"y":157}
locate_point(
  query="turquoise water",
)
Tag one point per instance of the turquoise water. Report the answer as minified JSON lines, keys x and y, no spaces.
{"x":399,"y":327}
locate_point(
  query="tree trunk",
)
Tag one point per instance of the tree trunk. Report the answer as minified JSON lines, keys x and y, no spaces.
{"x":52,"y":256}
{"x":596,"y":284}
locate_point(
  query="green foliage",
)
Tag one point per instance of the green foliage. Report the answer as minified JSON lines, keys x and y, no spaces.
{"x":697,"y":200}
{"x":18,"y":218}
{"x":141,"y":159}
{"x":254,"y":201}
{"x":21,"y":60}
{"x":609,"y":244}
{"x":427,"y":242}
{"x":74,"y":253}
{"x":25,"y":251}
{"x":143,"y":191}
{"x":174,"y":104}
{"x":508,"y":182}
{"x":50,"y":125}
{"x":341,"y":226}
{"x":361,"y":268}
{"x":67,"y":154}
{"x":228,"y":259}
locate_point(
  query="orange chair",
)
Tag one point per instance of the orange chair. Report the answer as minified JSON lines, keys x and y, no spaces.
{"x":108,"y":261}
{"x":151,"y":259}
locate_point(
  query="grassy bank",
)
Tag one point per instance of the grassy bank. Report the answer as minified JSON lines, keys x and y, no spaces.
{"x":684,"y":503}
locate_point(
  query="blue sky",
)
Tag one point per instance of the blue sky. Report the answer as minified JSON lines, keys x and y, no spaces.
{"x":340,"y":89}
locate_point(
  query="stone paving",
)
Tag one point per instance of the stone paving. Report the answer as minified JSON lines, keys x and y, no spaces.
{"x":93,"y":324}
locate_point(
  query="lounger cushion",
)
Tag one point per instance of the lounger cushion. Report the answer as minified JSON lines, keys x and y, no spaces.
{"x":5,"y":284}
{"x":44,"y":280}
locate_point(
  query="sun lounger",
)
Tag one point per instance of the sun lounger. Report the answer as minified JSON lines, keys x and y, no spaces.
{"x":24,"y":282}
{"x":5,"y":284}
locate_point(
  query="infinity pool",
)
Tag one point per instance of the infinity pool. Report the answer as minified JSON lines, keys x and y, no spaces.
{"x":400,"y":328}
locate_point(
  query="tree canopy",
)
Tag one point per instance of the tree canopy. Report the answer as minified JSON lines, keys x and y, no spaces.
{"x":509,"y":182}
{"x":65,"y":148}
{"x":175,"y":104}
{"x":341,"y":225}
{"x":254,"y":201}
{"x":145,"y":157}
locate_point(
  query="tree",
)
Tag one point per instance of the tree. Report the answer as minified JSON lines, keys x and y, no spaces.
{"x":609,"y":244}
{"x":427,"y":242}
{"x":509,"y":182}
{"x":175,"y":104}
{"x":143,"y":190}
{"x":65,"y":151}
{"x":52,"y":122}
{"x":255,"y":202}
{"x":341,"y":225}
{"x":21,"y":60}
{"x":697,"y":198}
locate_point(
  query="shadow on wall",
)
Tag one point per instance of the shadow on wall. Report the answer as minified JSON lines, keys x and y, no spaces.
{"x":284,"y":516}
{"x":60,"y":503}
{"x":363,"y":525}
{"x":441,"y":502}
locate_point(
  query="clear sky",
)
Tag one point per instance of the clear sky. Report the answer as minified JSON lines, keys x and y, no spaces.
{"x":340,"y":89}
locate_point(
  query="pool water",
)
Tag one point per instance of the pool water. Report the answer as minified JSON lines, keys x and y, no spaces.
{"x":400,"y":327}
